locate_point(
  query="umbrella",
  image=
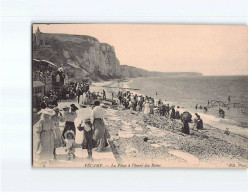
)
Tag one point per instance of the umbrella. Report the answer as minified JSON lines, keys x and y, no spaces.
{"x":186,"y":116}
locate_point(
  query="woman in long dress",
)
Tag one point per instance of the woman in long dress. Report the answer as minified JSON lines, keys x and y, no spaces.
{"x":46,"y":136}
{"x":84,"y":98}
{"x":100,"y":133}
{"x":151,"y":107}
{"x":58,"y":140}
{"x":147,"y":108}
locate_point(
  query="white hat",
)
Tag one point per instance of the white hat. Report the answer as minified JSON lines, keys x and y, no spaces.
{"x":48,"y":111}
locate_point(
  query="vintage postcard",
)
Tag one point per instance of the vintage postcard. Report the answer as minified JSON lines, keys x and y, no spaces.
{"x":140,"y":96}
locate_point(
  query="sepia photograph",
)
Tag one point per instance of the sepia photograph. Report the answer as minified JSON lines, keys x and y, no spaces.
{"x":139,"y":96}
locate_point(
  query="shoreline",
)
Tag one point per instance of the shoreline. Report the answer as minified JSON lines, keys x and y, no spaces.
{"x":211,"y":120}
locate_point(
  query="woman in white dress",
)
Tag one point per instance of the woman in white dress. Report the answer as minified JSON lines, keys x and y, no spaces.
{"x":147,"y":108}
{"x":46,"y":136}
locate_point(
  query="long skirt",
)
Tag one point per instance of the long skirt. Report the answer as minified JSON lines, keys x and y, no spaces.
{"x":58,"y":139}
{"x":69,"y":126}
{"x":185,"y":127}
{"x":88,"y":142}
{"x":146,"y":110}
{"x":100,"y":134}
{"x":177,"y":115}
{"x":46,"y":147}
{"x":199,"y":125}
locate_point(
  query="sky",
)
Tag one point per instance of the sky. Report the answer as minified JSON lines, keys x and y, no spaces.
{"x":209,"y":49}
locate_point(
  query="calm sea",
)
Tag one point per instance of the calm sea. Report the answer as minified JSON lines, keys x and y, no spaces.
{"x":189,"y":91}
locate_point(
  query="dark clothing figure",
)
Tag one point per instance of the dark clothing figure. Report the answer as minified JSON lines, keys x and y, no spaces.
{"x":134,"y":105}
{"x":120,"y":98}
{"x":167,"y":110}
{"x":104,"y":94}
{"x":79,"y":93}
{"x":199,"y":124}
{"x":185,"y":127}
{"x":69,"y":126}
{"x":43,"y":105}
{"x":88,"y":142}
{"x":221,"y":113}
{"x":173,"y":114}
{"x":177,"y":115}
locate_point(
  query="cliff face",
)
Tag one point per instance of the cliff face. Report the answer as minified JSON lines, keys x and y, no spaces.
{"x":98,"y":59}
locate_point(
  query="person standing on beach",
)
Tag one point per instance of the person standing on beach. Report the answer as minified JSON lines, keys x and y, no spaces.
{"x":167,"y":110}
{"x":173,"y":113}
{"x":185,"y":127}
{"x":103,"y":95}
{"x":86,"y":127}
{"x":177,"y":115}
{"x":45,"y":134}
{"x":112,"y":96}
{"x":79,"y":93}
{"x":58,"y":141}
{"x":70,"y":118}
{"x":100,"y":133}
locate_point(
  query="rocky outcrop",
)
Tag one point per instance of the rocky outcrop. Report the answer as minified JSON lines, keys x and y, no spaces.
{"x":97,"y":59}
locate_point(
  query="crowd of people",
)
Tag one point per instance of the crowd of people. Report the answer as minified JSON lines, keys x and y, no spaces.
{"x":50,"y":136}
{"x":149,"y":106}
{"x":95,"y":133}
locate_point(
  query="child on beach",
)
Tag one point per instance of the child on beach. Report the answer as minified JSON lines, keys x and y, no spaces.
{"x":86,"y":127}
{"x":70,"y":144}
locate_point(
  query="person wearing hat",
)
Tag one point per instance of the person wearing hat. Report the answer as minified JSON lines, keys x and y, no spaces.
{"x":70,"y":144}
{"x":70,"y":118}
{"x":58,"y":141}
{"x":45,"y":134}
{"x":86,"y":127}
{"x":43,"y":104}
{"x":100,"y":132}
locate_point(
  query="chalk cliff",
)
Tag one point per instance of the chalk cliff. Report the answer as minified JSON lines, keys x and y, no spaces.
{"x":99,"y":60}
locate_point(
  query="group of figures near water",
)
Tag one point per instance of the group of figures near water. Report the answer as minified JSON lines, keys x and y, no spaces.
{"x":149,"y":106}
